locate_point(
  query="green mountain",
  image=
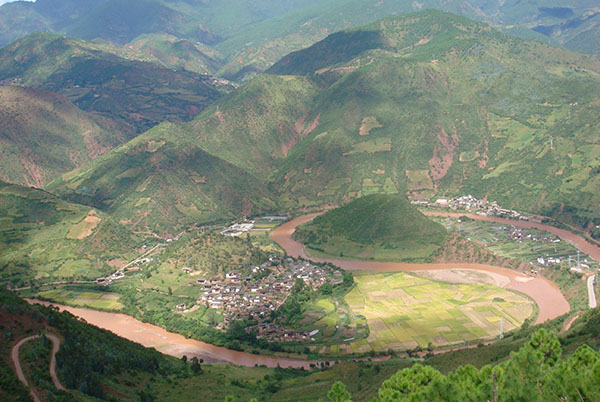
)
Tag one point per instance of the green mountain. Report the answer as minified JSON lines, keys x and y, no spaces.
{"x":42,"y":134}
{"x":253,"y":34}
{"x":163,"y":183}
{"x":255,"y":47}
{"x":378,"y":226}
{"x":135,"y":94}
{"x":428,"y":104}
{"x":172,"y":52}
{"x":45,"y":239}
{"x":437,"y":104}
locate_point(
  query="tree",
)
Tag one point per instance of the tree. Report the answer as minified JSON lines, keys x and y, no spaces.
{"x":339,"y":393}
{"x":326,"y":289}
{"x":408,"y":381}
{"x":196,"y":367}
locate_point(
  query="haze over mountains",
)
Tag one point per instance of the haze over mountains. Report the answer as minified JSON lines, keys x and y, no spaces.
{"x":253,"y":34}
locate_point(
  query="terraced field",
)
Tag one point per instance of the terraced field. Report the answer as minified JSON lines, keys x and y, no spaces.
{"x":404,"y":311}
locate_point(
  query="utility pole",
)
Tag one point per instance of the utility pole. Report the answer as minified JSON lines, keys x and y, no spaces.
{"x":552,"y":143}
{"x":578,"y":261}
{"x":501,"y":328}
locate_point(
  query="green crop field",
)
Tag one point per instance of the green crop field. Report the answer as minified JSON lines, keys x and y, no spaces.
{"x":83,"y":298}
{"x":404,"y":311}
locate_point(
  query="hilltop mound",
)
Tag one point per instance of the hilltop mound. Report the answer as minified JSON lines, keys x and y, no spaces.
{"x":379,"y":226}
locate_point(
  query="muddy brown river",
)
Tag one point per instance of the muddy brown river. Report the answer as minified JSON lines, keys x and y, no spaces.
{"x":550,"y":300}
{"x":170,"y":343}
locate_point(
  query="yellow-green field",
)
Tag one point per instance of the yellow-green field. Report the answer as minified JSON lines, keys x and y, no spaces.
{"x":91,"y":299}
{"x":404,"y":311}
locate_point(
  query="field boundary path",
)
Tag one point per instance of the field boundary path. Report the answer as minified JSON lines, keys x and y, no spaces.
{"x":550,"y":300}
{"x":591,"y":292}
{"x":19,"y":369}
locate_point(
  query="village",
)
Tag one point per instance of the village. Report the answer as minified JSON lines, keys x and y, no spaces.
{"x":472,"y":204}
{"x":255,"y":293}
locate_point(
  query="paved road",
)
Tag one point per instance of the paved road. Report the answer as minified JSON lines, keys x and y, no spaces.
{"x":19,"y":369}
{"x":591,"y":293}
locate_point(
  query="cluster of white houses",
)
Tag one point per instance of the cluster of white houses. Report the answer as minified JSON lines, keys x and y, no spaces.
{"x":472,"y":204}
{"x":255,"y":293}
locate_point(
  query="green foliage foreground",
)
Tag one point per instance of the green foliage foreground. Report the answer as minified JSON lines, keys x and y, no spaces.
{"x":536,"y":372}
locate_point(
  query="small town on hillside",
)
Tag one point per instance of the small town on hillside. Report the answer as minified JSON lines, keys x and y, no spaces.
{"x":255,"y":293}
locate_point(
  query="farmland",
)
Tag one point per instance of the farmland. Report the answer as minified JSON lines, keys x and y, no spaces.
{"x":405,"y":311}
{"x":543,"y":252}
{"x":83,"y":297}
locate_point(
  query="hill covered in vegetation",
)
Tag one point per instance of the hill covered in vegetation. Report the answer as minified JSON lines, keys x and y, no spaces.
{"x":429,"y":104}
{"x":379,"y":226}
{"x":42,"y":134}
{"x":45,"y":239}
{"x":135,"y":94}
{"x":162,"y":183}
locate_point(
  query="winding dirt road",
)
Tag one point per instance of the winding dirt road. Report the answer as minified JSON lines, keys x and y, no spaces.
{"x":550,"y":300}
{"x":15,"y":358}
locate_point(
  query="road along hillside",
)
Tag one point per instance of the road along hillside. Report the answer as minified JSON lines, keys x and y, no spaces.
{"x":15,"y":359}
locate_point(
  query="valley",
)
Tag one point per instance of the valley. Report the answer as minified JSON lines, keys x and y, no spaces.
{"x":338,"y":200}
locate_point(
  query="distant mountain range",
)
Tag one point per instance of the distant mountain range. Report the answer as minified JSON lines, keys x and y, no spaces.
{"x":426,"y":104}
{"x":253,"y":34}
{"x":136,"y":94}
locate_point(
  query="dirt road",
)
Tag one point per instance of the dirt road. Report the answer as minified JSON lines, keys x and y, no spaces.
{"x":15,"y":359}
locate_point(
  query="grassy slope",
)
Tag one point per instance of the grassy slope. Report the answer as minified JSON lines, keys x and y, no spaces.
{"x":42,"y":134}
{"x":137,"y":95}
{"x":163,"y":183}
{"x":377,"y":226}
{"x":255,"y":127}
{"x":46,"y":239}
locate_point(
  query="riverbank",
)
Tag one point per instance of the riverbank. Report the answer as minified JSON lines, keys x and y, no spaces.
{"x":550,"y":300}
{"x":173,"y":344}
